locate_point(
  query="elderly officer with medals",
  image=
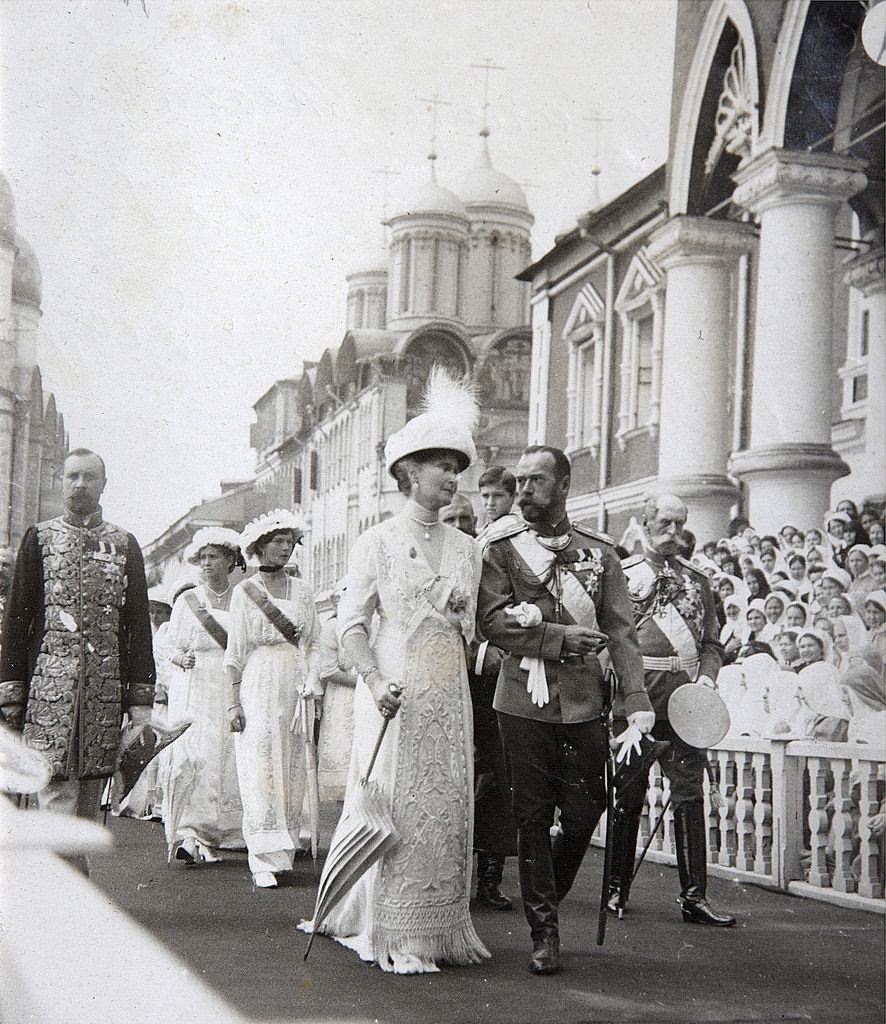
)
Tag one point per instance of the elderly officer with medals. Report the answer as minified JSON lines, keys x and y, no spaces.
{"x":679,"y":637}
{"x":551,"y":595}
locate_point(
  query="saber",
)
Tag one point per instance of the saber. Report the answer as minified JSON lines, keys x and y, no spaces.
{"x":652,"y":834}
{"x":607,"y":854}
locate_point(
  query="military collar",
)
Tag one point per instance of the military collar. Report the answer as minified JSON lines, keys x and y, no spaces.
{"x":89,"y":522}
{"x":658,"y":560}
{"x":554,"y":538}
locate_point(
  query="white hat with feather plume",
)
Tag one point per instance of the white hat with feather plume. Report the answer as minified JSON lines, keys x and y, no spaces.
{"x":448,"y":421}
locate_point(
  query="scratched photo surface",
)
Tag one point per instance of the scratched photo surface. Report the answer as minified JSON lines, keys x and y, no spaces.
{"x":235,"y":238}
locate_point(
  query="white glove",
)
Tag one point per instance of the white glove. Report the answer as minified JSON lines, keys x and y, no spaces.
{"x":644,"y":720}
{"x":537,"y":683}
{"x":527,"y":615}
{"x":628,"y":743}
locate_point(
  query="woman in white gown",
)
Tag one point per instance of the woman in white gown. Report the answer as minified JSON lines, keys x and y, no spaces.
{"x":201,"y":809}
{"x":409,"y":912}
{"x":272,"y":662}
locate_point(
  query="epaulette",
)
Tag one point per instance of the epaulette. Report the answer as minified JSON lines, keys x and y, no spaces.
{"x":589,"y":531}
{"x":508,"y":526}
{"x":632,"y":560}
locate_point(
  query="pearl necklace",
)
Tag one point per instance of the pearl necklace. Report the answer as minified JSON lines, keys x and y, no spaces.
{"x":425,"y":526}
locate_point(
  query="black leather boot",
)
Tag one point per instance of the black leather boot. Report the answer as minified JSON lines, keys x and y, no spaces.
{"x":489,"y":871}
{"x":539,"y":893}
{"x":689,"y":833}
{"x":567,"y":852}
{"x":624,"y":857}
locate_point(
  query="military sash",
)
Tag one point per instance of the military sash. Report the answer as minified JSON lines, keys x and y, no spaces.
{"x":562,"y":583}
{"x":273,"y":613}
{"x":207,"y":620}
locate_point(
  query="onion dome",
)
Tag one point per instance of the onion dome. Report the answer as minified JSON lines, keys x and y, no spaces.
{"x":487,"y":186}
{"x":429,"y":196}
{"x":27,"y":282}
{"x":7,"y":214}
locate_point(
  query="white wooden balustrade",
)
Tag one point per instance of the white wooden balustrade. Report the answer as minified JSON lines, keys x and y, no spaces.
{"x":794,"y":816}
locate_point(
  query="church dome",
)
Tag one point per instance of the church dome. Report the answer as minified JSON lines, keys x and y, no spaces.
{"x":27,"y":282}
{"x":7,"y":213}
{"x":487,"y":186}
{"x":428,"y":196}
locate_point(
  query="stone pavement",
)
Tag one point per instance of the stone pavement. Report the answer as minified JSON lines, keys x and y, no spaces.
{"x":789,"y":959}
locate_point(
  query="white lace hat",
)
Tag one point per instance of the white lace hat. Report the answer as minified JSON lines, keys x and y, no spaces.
{"x":270,"y":522}
{"x":217,"y":536}
{"x":450,"y":416}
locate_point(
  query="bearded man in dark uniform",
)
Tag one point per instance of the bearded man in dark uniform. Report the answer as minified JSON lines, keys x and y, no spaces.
{"x":76,"y":648}
{"x":551,"y":595}
{"x":680,"y":640}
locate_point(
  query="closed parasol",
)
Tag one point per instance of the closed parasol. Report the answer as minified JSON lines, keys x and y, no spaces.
{"x":303,"y":720}
{"x":364,"y":834}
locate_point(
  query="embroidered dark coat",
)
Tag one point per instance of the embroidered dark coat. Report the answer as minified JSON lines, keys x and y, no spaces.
{"x":76,"y":644}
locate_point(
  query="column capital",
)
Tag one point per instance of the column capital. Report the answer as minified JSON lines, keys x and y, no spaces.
{"x":780,"y":176}
{"x":692,"y":240}
{"x":867,"y":272}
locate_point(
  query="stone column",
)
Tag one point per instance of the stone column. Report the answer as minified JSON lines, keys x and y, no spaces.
{"x":698,"y":255}
{"x":790,"y":465}
{"x":867,"y":273}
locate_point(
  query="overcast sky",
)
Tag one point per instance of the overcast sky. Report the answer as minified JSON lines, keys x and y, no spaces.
{"x":198,"y":182}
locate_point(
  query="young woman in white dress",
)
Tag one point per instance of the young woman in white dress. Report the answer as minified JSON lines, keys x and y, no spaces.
{"x":409,"y":912}
{"x":201,"y":809}
{"x":272,"y":661}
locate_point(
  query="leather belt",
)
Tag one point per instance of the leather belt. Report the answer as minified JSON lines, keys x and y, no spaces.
{"x":672,"y":664}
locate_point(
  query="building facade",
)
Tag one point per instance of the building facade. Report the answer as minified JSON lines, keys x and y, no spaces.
{"x":445,"y":293}
{"x":33,"y":439}
{"x":721,"y":324}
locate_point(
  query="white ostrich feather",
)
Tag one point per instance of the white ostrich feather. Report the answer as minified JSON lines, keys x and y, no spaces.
{"x":456,"y":400}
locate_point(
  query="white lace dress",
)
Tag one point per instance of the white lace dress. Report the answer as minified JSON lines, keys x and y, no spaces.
{"x":270,"y":753}
{"x":202,"y":797}
{"x":414,"y":901}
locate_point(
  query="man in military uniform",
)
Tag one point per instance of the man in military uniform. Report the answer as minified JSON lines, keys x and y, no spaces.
{"x":551,"y":595}
{"x":679,"y":637}
{"x":76,"y":647}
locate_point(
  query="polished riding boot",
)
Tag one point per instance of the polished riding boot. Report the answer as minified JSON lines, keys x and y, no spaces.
{"x":689,"y":833}
{"x":539,"y":893}
{"x":567,"y":853}
{"x":624,"y":857}
{"x":489,"y":871}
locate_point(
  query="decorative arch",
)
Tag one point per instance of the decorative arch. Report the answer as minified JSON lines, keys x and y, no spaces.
{"x":324,"y":384}
{"x":505,"y":367}
{"x":430,"y":344}
{"x":786,"y":49}
{"x":346,"y":375}
{"x":683,"y":156}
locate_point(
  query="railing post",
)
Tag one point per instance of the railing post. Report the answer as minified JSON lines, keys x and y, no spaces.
{"x":787,"y":813}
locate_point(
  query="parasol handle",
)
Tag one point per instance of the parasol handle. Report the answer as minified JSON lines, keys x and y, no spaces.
{"x":381,"y":736}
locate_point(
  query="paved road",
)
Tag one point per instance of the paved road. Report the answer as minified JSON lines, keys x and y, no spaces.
{"x":789,"y":958}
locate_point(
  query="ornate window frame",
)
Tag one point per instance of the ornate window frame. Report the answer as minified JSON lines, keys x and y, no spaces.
{"x":641,"y":295}
{"x":583,"y":333}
